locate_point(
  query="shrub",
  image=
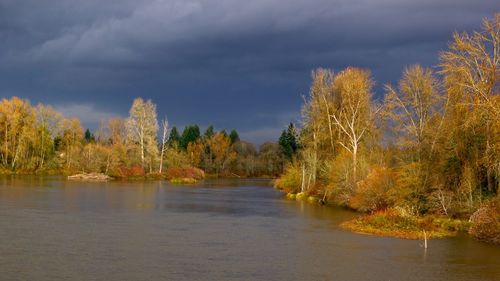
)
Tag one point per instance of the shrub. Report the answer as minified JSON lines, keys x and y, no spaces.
{"x":290,"y":180}
{"x":185,"y":172}
{"x":408,"y":190}
{"x":485,"y":222}
{"x":340,"y":184}
{"x":133,"y":171}
{"x":371,"y":193}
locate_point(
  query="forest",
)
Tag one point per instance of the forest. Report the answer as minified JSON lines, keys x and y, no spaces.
{"x":38,"y":139}
{"x":430,"y":146}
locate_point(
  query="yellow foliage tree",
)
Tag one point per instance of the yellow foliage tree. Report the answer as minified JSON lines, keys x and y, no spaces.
{"x":220,"y":146}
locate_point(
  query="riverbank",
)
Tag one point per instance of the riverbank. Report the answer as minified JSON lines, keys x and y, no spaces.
{"x":174,"y":175}
{"x":483,"y":225}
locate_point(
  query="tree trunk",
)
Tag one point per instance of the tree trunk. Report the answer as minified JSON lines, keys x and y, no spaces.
{"x":354,"y":162}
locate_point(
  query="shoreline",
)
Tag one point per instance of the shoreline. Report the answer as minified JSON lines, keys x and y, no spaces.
{"x":392,"y":223}
{"x":148,"y":177}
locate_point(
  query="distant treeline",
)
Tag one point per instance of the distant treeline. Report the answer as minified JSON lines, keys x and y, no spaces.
{"x":431,"y":146}
{"x":38,"y":139}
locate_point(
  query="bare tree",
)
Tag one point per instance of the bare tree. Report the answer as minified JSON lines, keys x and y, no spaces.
{"x":164,"y":140}
{"x":352,"y":115}
{"x":413,"y":106}
{"x":142,"y":128}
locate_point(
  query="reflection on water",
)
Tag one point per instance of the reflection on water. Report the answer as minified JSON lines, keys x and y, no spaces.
{"x":52,"y":229}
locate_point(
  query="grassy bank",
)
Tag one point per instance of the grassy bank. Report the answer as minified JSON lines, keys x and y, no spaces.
{"x":395,"y":223}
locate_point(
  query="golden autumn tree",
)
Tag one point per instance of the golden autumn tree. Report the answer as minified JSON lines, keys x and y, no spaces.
{"x":352,"y":115}
{"x":71,"y":140}
{"x":471,"y":76}
{"x":48,"y":125}
{"x":195,"y":150}
{"x":412,"y":108}
{"x":471,"y":67}
{"x":414,"y":114}
{"x":319,"y":133}
{"x":113,"y":145}
{"x":17,"y":120}
{"x":221,"y":148}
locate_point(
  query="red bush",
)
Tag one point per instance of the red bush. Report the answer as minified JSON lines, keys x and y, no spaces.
{"x":134,"y":171}
{"x":187,"y":172}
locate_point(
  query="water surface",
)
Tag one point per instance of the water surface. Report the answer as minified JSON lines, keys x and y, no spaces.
{"x":52,"y":229}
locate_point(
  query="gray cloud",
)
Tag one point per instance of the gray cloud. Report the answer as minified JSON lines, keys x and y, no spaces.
{"x":238,"y":64}
{"x":87,"y":113}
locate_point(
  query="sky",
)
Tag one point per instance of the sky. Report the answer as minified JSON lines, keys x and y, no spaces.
{"x":231,"y":63}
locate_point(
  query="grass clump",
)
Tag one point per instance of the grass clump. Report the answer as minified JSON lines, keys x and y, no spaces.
{"x":396,"y":223}
{"x":183,"y":181}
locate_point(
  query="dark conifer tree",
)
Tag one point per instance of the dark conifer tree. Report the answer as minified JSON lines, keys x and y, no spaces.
{"x":234,"y":136}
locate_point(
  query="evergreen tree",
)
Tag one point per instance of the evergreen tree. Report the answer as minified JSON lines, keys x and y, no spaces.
{"x":288,"y":141}
{"x":89,"y":136}
{"x":191,"y":133}
{"x":233,"y":136}
{"x":209,"y":132}
{"x":174,"y":137}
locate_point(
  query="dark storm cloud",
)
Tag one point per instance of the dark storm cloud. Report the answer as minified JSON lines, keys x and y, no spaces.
{"x":241,"y":64}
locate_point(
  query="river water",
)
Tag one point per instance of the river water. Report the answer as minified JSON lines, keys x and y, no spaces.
{"x":52,"y":229}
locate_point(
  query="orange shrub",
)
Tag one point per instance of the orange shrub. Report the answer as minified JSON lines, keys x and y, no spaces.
{"x":186,"y":172}
{"x":133,"y":171}
{"x":371,"y":193}
{"x":485,"y":222}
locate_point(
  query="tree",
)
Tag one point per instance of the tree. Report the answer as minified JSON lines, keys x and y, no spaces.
{"x":48,"y":122}
{"x":117,"y":130}
{"x":89,"y":136}
{"x":71,"y":140}
{"x":164,"y":142}
{"x":209,"y":132}
{"x":471,"y":66}
{"x":246,"y":164}
{"x":220,"y":145}
{"x":233,"y":136}
{"x":412,"y":109}
{"x":194,"y":152}
{"x":470,"y":69}
{"x":352,"y":115}
{"x":271,"y":158}
{"x":17,"y":120}
{"x":174,"y":136}
{"x":97,"y":157}
{"x":319,"y":108}
{"x":318,"y":135}
{"x":112,"y":140}
{"x":414,"y":114}
{"x":191,"y":133}
{"x":142,"y":129}
{"x":288,"y":141}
